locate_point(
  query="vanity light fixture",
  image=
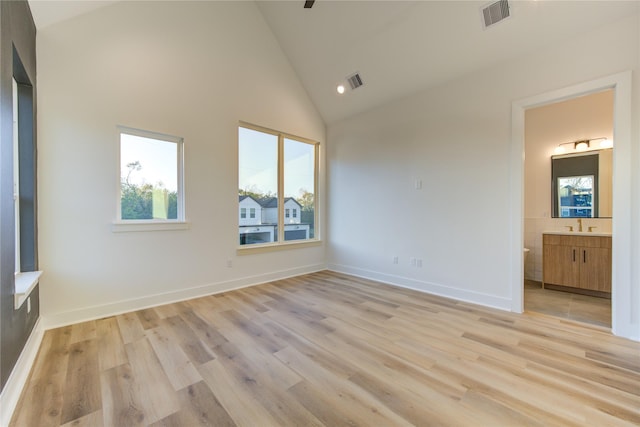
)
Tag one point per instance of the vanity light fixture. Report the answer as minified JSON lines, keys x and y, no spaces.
{"x":583,"y":145}
{"x":340,"y":89}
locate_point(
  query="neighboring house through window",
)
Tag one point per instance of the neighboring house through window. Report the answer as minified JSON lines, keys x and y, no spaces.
{"x":261,"y":176}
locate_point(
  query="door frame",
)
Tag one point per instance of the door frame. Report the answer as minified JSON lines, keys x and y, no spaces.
{"x":621,"y":293}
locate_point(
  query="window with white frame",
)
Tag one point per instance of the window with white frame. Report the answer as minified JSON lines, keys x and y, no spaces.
{"x":243,"y":212}
{"x":24,"y":185}
{"x":252,"y":212}
{"x":277,"y":169}
{"x":151,"y":176}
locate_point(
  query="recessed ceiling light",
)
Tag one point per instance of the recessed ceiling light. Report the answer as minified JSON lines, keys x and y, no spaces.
{"x":340,"y":89}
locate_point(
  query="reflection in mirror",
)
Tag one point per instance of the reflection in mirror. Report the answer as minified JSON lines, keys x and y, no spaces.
{"x":575,"y":196}
{"x":582,"y":184}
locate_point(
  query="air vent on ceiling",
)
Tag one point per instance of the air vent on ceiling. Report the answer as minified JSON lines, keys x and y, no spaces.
{"x":355,"y":81}
{"x":495,"y":12}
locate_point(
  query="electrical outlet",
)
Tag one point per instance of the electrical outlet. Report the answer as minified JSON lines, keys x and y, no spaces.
{"x":395,"y":259}
{"x":412,"y":261}
{"x":229,"y":263}
{"x":419,"y":263}
{"x":417,"y":184}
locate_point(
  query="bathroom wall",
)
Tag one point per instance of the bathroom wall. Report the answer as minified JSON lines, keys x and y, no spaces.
{"x":585,"y":117}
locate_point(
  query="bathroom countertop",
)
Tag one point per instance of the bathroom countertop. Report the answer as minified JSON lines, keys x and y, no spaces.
{"x":579,"y":233}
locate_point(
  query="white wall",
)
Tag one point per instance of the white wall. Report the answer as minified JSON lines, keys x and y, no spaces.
{"x":191,"y":69}
{"x":457,"y":139}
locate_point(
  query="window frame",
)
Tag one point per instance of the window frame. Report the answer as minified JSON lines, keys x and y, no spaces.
{"x":16,"y":174}
{"x":24,"y":184}
{"x":179,"y":223}
{"x":281,"y":243}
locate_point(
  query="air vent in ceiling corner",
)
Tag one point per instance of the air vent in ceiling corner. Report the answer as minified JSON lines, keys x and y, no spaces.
{"x":495,"y":12}
{"x":355,"y":81}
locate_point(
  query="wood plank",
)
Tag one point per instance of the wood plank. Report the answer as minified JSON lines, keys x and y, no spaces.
{"x":111,"y":351}
{"x":130,"y":327}
{"x":199,"y":407}
{"x":148,"y":318}
{"x":153,"y":389}
{"x":83,"y":331}
{"x":184,"y":336}
{"x":93,"y":419}
{"x":84,"y":373}
{"x":121,"y":404}
{"x":174,"y":361}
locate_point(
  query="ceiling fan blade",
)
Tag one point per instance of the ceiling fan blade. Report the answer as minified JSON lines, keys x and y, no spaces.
{"x":308,"y":4}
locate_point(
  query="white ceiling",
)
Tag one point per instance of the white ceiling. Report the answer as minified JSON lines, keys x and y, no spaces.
{"x":398,"y":47}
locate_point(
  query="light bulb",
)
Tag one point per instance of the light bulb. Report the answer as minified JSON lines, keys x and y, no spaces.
{"x":340,"y":89}
{"x":582,"y":146}
{"x":559,"y":149}
{"x":606,"y":143}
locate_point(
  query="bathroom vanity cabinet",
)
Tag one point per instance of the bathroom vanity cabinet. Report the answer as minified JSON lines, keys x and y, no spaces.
{"x":577,"y":261}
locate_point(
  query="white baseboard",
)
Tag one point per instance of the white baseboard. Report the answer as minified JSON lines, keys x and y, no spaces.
{"x":427,"y":287}
{"x":18,"y":378}
{"x":56,"y":320}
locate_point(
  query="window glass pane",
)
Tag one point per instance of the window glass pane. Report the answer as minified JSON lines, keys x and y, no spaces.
{"x":16,"y":176}
{"x":148,"y":178}
{"x":575,"y":196}
{"x":299,"y":187}
{"x":258,"y":182}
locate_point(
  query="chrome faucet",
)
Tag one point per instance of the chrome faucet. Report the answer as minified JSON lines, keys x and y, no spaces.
{"x":579,"y":224}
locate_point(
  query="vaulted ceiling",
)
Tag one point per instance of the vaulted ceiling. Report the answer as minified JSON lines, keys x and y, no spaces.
{"x":398,"y":47}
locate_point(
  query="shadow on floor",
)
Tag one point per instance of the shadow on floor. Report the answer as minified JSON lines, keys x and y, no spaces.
{"x":567,"y":305}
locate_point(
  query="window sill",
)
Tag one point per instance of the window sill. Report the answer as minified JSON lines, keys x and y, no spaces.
{"x":264,"y":248}
{"x":135,"y":226}
{"x":25,"y":283}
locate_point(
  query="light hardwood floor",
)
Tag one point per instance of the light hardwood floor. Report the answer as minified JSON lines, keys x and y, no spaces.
{"x":329,"y":349}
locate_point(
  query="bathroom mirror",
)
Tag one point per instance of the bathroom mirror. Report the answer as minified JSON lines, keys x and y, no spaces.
{"x":581,"y":184}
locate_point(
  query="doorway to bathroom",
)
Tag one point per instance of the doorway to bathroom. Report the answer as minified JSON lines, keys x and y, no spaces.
{"x":568,"y":170}
{"x":624,"y":291}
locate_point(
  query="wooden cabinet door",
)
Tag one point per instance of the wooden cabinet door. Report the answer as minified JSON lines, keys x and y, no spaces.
{"x":561,"y":266}
{"x":595,"y":269}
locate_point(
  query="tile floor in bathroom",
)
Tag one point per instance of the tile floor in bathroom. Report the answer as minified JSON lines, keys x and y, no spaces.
{"x":581,"y":308}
